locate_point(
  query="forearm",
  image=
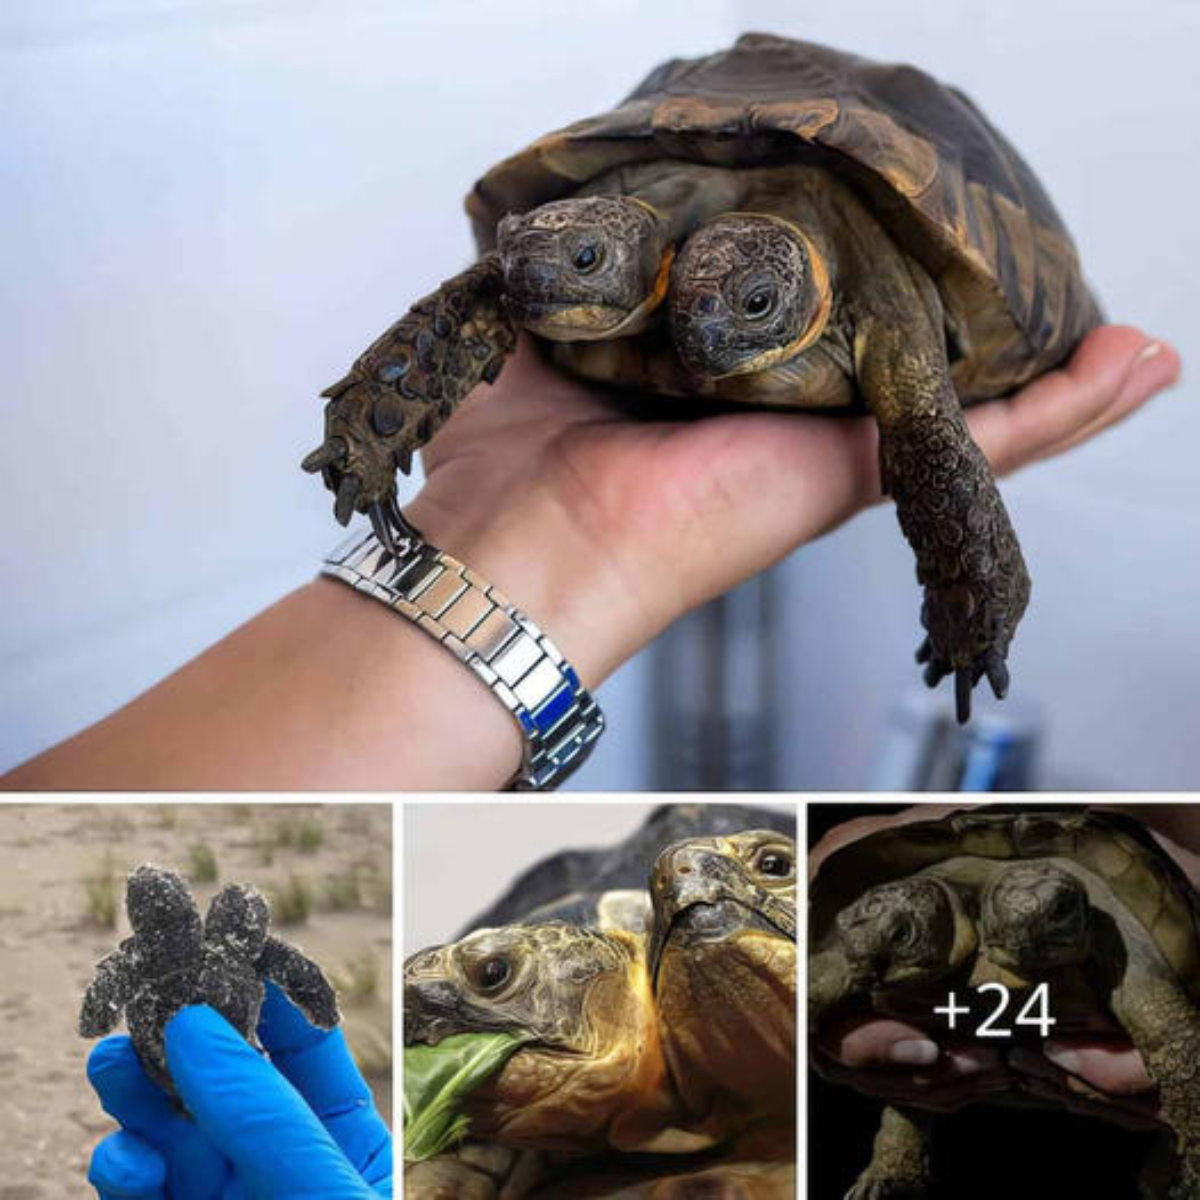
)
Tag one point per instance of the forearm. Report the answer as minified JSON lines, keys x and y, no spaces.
{"x":324,"y":690}
{"x":328,"y":690}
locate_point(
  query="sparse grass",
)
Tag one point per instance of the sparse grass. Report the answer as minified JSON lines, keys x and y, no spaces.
{"x":291,"y":901}
{"x":290,"y":832}
{"x":343,"y":892}
{"x":166,"y":816}
{"x":202,"y":864}
{"x":308,"y":835}
{"x":101,"y":894}
{"x":358,"y":981}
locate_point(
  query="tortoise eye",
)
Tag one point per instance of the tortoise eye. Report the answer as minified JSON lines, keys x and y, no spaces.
{"x":758,"y":304}
{"x":775,"y":863}
{"x":493,"y":974}
{"x":587,"y":258}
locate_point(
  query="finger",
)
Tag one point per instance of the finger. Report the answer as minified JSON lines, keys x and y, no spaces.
{"x":1156,"y":368}
{"x":126,"y":1091}
{"x":318,"y":1064}
{"x":257,"y":1119}
{"x":1115,"y":1068}
{"x":1102,"y":381}
{"x":860,"y":1044}
{"x":124,"y":1167}
{"x":195,"y":1167}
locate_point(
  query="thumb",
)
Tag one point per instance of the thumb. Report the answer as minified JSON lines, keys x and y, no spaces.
{"x":253,"y":1115}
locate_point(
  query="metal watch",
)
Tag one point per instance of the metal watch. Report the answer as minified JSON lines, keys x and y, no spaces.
{"x":560,"y":721}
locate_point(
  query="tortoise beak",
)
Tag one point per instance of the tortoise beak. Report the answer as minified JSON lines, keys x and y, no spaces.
{"x":698,"y":889}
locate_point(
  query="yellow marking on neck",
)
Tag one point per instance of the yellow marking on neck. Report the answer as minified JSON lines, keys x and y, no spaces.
{"x":816,"y":326}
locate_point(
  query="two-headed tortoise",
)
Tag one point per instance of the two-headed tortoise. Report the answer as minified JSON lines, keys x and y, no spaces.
{"x":778,"y":224}
{"x":1083,"y":904}
{"x":618,"y":995}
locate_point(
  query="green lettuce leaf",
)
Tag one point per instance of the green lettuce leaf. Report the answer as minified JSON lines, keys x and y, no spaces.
{"x":437,"y":1077}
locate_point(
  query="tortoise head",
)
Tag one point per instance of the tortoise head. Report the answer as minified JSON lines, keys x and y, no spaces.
{"x":713,"y":888}
{"x":239,"y":918}
{"x":586,"y":268}
{"x":748,"y":291}
{"x":591,"y":1071}
{"x":908,"y":932}
{"x":160,"y":906}
{"x":724,"y":965}
{"x":1034,"y":916}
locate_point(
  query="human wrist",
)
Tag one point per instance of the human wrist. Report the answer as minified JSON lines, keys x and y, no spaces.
{"x":539,"y":557}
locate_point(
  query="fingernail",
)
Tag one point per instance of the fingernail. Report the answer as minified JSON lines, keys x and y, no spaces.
{"x":913,"y":1053}
{"x":971,"y":1060}
{"x":1148,"y":373}
{"x":1061,"y":1056}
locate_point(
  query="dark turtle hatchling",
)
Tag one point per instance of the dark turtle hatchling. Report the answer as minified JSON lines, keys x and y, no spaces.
{"x":173,"y":960}
{"x":1085,"y":902}
{"x":782,"y":225}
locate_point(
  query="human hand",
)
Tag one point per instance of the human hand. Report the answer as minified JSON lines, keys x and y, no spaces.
{"x":607,"y":529}
{"x":298,"y":1124}
{"x":902,"y":1064}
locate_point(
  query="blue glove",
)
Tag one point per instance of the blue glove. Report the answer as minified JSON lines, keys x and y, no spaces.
{"x":300,"y":1125}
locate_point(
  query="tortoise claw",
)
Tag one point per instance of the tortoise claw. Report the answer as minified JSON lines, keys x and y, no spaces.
{"x":347,"y":495}
{"x":328,"y":454}
{"x":935,"y":672}
{"x":997,"y":673}
{"x":963,"y":683}
{"x":382,"y":528}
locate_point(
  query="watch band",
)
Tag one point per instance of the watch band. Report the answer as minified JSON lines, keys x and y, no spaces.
{"x":559,"y":719}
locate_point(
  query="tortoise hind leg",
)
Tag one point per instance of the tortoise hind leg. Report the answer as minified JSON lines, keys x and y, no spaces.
{"x":899,"y":1168}
{"x":968,"y":558}
{"x":404,"y":387}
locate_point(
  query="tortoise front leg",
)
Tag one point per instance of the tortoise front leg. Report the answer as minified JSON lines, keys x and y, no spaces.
{"x":1164,"y":1025}
{"x":404,"y":387}
{"x":968,"y":559}
{"x":899,"y":1168}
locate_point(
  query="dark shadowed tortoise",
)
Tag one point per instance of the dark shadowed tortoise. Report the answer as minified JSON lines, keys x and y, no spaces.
{"x":1086,"y":903}
{"x":827,"y":232}
{"x":582,"y":980}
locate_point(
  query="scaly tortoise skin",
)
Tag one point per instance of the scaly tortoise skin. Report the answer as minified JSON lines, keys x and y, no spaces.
{"x":910,"y":263}
{"x":1086,"y":901}
{"x":603,"y":1073}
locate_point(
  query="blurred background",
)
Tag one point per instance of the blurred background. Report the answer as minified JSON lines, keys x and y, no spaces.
{"x":460,"y":859}
{"x":213,"y":207}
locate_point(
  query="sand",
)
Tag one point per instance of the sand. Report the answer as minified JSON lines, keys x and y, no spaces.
{"x":61,"y":865}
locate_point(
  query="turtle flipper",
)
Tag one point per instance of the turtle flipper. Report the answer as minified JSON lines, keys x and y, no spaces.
{"x":968,"y":558}
{"x":302,"y":982}
{"x":404,"y":387}
{"x":108,"y":993}
{"x":899,"y":1167}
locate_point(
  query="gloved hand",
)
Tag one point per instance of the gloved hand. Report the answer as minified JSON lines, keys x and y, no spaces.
{"x":297,"y":1125}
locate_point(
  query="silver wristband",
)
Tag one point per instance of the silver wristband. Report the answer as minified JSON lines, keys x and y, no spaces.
{"x":559,"y":719}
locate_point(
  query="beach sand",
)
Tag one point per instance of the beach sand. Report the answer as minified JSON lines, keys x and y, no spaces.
{"x":62,"y":872}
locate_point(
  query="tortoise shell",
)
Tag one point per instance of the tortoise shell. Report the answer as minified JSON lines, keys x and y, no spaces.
{"x":945,"y":183}
{"x":1121,"y":851}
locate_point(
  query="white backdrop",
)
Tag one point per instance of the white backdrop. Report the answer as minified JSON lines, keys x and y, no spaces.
{"x":211,"y":208}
